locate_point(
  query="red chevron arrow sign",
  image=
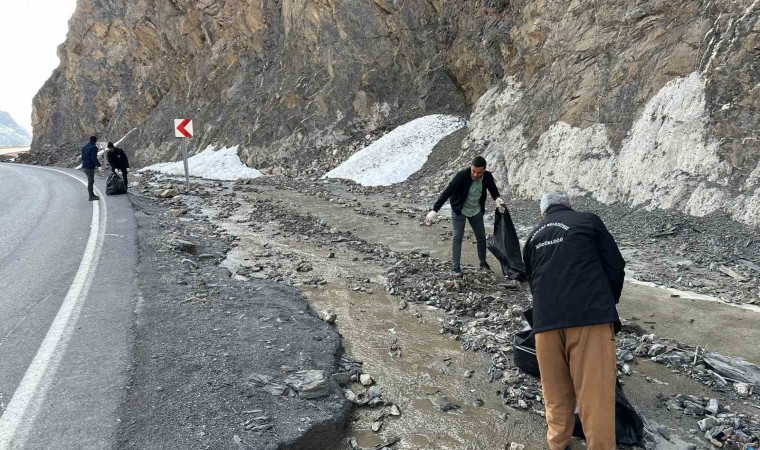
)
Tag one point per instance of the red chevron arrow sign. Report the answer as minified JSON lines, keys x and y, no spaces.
{"x":183,"y":128}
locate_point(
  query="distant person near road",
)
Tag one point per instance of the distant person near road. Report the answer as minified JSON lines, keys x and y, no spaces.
{"x":117,"y":159}
{"x":466,"y":193}
{"x":576,"y":275}
{"x":89,"y":164}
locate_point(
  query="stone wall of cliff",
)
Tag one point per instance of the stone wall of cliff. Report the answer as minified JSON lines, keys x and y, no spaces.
{"x":648,"y":102}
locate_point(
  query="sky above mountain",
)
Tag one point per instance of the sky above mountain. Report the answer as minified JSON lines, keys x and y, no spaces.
{"x":30,"y":32}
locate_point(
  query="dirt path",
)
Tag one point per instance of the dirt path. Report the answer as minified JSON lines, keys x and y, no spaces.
{"x":338,"y":248}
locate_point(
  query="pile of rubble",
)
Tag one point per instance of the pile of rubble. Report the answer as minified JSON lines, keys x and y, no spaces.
{"x":718,"y":424}
{"x":726,"y":374}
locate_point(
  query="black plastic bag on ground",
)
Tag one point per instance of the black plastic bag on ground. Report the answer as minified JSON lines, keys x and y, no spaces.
{"x":506,"y":247}
{"x":115,"y":185}
{"x":629,"y":425}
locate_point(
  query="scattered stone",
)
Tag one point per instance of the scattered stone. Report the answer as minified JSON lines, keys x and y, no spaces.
{"x":708,"y":423}
{"x":468,"y":373}
{"x":515,"y":446}
{"x":275,"y":389}
{"x":185,"y":246}
{"x":712,"y":406}
{"x":342,"y":377}
{"x":329,"y":316}
{"x":308,"y":384}
{"x":444,"y":404}
{"x":395,"y":411}
{"x":304,"y":267}
{"x":366,"y":380}
{"x":373,"y":392}
{"x":167,"y":193}
{"x":377,"y":425}
{"x":656,"y":349}
{"x":743,"y":389}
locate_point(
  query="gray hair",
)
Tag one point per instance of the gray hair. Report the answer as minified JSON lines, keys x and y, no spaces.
{"x":554,"y":198}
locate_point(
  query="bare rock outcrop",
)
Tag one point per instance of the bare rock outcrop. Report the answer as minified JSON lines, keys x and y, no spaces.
{"x":650,"y":102}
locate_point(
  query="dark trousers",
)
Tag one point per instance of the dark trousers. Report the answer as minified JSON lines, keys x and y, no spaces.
{"x":476,"y":223}
{"x":90,"y":181}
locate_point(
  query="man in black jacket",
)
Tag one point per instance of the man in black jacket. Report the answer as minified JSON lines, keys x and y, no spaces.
{"x":467,"y":194}
{"x":89,"y":164}
{"x":117,"y":159}
{"x":576,"y":275}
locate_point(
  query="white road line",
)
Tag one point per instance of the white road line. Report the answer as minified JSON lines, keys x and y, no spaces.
{"x":19,"y":416}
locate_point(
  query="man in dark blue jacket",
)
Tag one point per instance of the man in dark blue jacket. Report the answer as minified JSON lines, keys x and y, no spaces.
{"x":89,"y":164}
{"x":576,"y":275}
{"x":467,"y":195}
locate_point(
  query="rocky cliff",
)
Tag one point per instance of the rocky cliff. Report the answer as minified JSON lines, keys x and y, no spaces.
{"x":647,"y":102}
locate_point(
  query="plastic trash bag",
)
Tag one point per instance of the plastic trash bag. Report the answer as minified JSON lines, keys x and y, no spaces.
{"x":506,"y":247}
{"x":115,"y":185}
{"x":629,"y":425}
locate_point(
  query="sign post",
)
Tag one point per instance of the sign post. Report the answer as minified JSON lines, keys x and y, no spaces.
{"x":183,"y":128}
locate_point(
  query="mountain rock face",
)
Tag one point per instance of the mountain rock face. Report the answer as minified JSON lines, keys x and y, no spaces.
{"x":11,"y":133}
{"x":648,"y":102}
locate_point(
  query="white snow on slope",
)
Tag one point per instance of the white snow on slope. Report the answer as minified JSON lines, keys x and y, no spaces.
{"x":222,"y":164}
{"x":400,"y":153}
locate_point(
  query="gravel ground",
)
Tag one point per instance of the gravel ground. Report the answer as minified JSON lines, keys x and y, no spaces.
{"x":215,"y":357}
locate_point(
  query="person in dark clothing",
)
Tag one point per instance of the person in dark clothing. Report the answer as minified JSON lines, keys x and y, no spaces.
{"x":117,"y":159}
{"x":89,"y":164}
{"x":576,"y":275}
{"x":466,"y":193}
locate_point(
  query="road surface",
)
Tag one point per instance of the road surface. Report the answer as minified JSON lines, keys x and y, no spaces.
{"x":67,"y":294}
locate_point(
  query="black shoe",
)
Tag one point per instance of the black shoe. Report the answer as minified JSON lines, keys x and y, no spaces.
{"x":484,"y":267}
{"x":94,"y":197}
{"x":457,"y":273}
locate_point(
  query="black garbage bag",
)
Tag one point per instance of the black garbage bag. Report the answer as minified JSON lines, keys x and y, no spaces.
{"x":506,"y":247}
{"x":115,"y":185}
{"x":629,"y":425}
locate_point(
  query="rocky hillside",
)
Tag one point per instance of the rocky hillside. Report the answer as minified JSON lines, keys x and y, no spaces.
{"x":649,"y":103}
{"x":11,"y":133}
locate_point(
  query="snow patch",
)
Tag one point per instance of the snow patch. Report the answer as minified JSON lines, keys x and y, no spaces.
{"x":124,"y":137}
{"x":222,"y":164}
{"x":396,"y":156}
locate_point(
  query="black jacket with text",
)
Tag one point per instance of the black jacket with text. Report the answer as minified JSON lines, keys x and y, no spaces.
{"x":575,"y":271}
{"x":459,"y":188}
{"x":117,"y":158}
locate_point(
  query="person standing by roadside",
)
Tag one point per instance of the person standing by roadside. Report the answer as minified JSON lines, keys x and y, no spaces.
{"x":576,"y":275}
{"x":89,"y":164}
{"x":117,"y":159}
{"x":466,"y":193}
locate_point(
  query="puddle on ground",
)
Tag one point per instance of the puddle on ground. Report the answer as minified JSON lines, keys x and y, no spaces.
{"x":431,"y":366}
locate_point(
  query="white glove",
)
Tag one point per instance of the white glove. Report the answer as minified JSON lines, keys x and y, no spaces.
{"x":499,"y":202}
{"x":430,"y":216}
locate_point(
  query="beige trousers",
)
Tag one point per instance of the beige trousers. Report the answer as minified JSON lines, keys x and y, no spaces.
{"x":578,"y":366}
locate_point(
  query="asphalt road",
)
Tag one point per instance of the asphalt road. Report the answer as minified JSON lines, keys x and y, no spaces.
{"x":67,"y":295}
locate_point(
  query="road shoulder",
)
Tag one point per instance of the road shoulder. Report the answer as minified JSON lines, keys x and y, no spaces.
{"x":210,"y":350}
